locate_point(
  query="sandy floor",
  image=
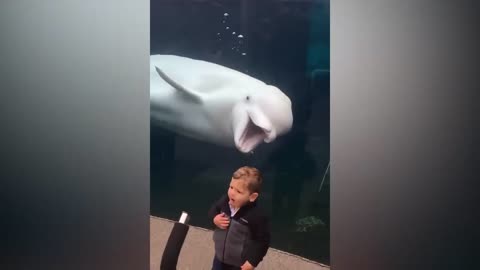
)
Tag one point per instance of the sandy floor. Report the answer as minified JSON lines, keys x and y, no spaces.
{"x":197,"y":251}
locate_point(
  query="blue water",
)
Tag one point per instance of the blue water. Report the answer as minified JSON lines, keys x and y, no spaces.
{"x":286,"y":44}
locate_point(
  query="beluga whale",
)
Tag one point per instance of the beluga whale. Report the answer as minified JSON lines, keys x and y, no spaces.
{"x":216,"y":104}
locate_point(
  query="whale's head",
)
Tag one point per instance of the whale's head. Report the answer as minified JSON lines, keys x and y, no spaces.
{"x":260,"y":116}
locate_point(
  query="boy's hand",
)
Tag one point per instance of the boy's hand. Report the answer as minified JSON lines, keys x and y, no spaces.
{"x":247,"y":266}
{"x":222,"y":221}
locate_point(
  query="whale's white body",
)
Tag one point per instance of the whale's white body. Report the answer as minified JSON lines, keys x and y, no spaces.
{"x":216,"y":104}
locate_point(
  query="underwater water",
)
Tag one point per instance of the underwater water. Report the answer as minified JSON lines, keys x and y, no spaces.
{"x":283,"y":43}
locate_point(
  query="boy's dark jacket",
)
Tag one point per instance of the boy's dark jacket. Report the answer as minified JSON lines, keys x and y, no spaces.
{"x":247,"y":237}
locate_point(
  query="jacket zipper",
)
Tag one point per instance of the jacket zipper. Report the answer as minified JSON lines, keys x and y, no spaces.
{"x":225,"y":240}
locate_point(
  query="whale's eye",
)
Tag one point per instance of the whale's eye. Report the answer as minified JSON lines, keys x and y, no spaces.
{"x":248,"y":97}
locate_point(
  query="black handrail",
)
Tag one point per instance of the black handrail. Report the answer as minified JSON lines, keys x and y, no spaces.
{"x":175,"y":243}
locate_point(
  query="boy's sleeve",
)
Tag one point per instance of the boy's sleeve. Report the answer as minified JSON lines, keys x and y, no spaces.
{"x":216,"y":208}
{"x":260,"y":241}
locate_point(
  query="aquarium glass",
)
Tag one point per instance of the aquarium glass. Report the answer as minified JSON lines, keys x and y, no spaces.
{"x":282,"y":43}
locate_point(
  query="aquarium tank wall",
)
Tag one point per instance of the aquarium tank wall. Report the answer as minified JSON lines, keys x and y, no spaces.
{"x":285,"y":44}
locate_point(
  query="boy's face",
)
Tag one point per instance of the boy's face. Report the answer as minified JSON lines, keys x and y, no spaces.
{"x":239,"y":194}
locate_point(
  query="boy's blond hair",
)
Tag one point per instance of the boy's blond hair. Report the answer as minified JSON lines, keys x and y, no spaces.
{"x":252,"y":176}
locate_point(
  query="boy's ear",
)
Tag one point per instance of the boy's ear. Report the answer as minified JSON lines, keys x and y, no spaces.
{"x":253,"y":196}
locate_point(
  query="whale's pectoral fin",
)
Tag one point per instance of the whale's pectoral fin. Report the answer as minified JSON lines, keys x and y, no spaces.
{"x":186,"y":92}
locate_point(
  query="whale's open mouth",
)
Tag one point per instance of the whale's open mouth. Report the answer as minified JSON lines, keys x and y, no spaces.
{"x":252,"y":131}
{"x":251,"y":136}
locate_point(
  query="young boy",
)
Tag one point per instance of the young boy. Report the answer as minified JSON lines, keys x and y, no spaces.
{"x":242,"y":236}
